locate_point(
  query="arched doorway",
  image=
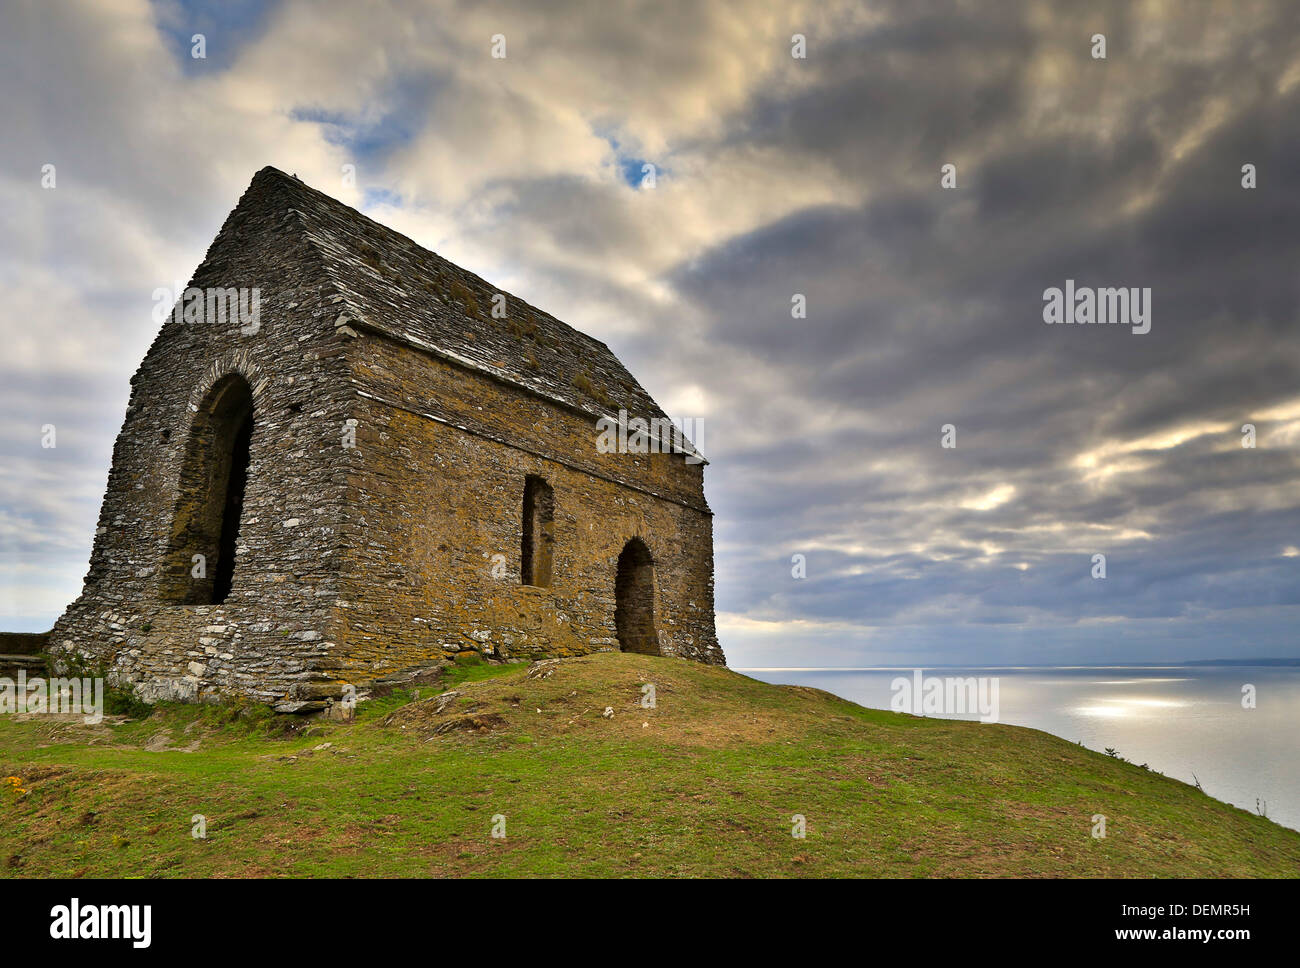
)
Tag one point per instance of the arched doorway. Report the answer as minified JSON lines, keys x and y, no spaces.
{"x":210,"y":501}
{"x":634,"y":600}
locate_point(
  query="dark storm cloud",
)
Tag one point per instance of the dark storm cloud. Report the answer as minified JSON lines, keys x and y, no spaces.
{"x":924,"y":308}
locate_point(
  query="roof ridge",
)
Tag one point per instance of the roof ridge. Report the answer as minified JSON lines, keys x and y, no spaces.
{"x":298,"y":184}
{"x":331,"y":280}
{"x":389,"y":283}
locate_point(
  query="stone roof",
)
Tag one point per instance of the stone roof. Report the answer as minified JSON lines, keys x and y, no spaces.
{"x":394,"y":286}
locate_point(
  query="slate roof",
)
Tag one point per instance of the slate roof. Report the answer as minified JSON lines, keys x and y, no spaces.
{"x":392,"y":285}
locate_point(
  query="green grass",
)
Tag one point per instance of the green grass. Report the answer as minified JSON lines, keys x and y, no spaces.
{"x":707,"y":787}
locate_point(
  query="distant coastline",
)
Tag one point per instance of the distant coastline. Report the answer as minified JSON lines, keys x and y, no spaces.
{"x":1242,"y":662}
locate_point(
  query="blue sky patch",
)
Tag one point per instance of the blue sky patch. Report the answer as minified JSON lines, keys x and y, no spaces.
{"x":226,"y":25}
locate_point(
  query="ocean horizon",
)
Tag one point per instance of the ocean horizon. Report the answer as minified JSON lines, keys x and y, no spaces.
{"x":1185,"y":721}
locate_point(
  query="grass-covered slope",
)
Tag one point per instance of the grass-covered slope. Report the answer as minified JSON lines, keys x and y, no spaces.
{"x":705,"y":784}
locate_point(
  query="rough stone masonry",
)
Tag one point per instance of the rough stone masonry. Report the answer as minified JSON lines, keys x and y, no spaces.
{"x":379,"y":474}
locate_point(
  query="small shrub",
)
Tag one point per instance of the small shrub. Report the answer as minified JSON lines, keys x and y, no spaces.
{"x":119,"y":701}
{"x":460,"y":292}
{"x":369,"y":255}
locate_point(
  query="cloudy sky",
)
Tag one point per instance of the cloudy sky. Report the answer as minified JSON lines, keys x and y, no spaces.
{"x":775,"y":175}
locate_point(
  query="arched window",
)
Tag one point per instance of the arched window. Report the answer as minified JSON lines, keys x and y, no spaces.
{"x":539,"y":532}
{"x":634,"y":600}
{"x":210,"y":501}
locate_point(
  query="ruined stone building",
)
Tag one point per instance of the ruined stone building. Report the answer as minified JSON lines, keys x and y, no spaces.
{"x":360,"y":469}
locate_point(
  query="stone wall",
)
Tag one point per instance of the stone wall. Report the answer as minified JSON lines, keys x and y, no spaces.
{"x":23,"y":643}
{"x":276,"y":628}
{"x":433,"y":558}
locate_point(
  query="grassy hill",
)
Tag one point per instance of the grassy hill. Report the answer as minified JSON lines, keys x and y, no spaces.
{"x":705,"y":784}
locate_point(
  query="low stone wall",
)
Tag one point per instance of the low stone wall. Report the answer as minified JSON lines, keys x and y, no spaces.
{"x":23,"y":643}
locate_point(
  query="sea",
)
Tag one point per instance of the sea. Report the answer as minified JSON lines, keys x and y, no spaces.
{"x":1233,"y":729}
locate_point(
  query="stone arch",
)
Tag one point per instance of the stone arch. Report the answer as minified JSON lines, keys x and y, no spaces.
{"x":536,"y":555}
{"x":238,"y":362}
{"x":210,"y":495}
{"x":634,"y":600}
